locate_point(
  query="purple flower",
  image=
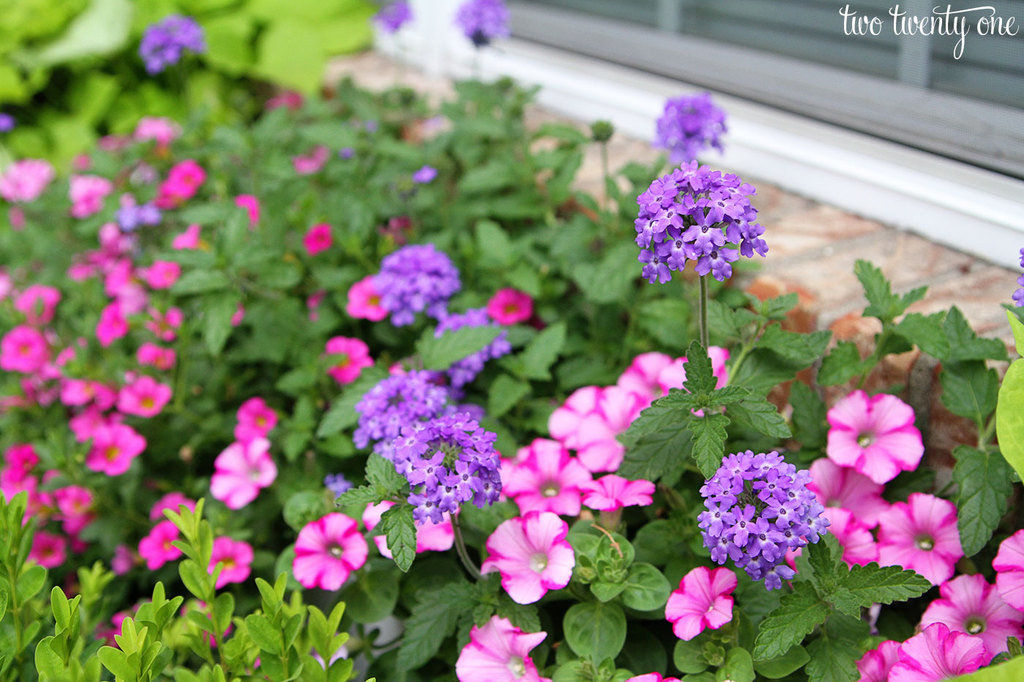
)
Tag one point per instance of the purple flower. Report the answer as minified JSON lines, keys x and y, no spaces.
{"x":688,"y":126}
{"x":483,"y":20}
{"x":1018,"y":296}
{"x":413,"y":279}
{"x":131,"y":215}
{"x":164,"y":42}
{"x":337,"y":484}
{"x":424,"y":175}
{"x":447,"y":460}
{"x":396,"y":402}
{"x":393,"y":16}
{"x":696,"y":214}
{"x":346,"y":152}
{"x":758,"y":508}
{"x":7,"y":122}
{"x":465,"y":370}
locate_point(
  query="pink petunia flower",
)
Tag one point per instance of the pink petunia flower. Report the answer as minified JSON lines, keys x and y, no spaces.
{"x":701,"y":601}
{"x":144,"y":397}
{"x":348,"y":358}
{"x":24,"y":349}
{"x":255,"y":420}
{"x":312,"y":162}
{"x":183,"y":181}
{"x":613,"y":492}
{"x":162,"y":130}
{"x":837,"y":486}
{"x":252,"y":205}
{"x":938,"y":654}
{"x":165,"y":325}
{"x":158,"y":548}
{"x":920,"y":535}
{"x":641,"y":377}
{"x":85,"y":423}
{"x":364,"y":301}
{"x":971,"y":605}
{"x":875,"y":435}
{"x":241,"y":471}
{"x":510,"y":306}
{"x":189,"y":239}
{"x":124,"y":559}
{"x":651,"y":677}
{"x":25,"y":180}
{"x":430,"y":536}
{"x":156,"y":356}
{"x":74,"y":503}
{"x":874,"y":665}
{"x":87,"y":193}
{"x":318,"y":239}
{"x":112,"y":324}
{"x":235,"y":558}
{"x":327,"y":551}
{"x":114,"y":448}
{"x":855,"y":538}
{"x":49,"y":550}
{"x":499,"y":652}
{"x":162,"y":274}
{"x":38,"y":303}
{"x":1009,"y":567}
{"x":532,"y":555}
{"x":545,"y":477}
{"x":589,"y":422}
{"x":173,"y":501}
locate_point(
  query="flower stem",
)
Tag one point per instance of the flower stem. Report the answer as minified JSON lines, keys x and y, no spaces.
{"x":460,"y":549}
{"x":703,"y":305}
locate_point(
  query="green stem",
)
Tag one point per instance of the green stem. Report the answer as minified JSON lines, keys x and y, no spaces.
{"x":460,"y":549}
{"x":703,"y":304}
{"x":745,"y":351}
{"x":875,"y":357}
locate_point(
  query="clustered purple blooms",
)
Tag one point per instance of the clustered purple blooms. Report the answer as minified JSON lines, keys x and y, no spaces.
{"x":7,"y":122}
{"x":696,"y":214}
{"x":424,"y":175}
{"x":465,"y":370}
{"x":1018,"y":296}
{"x":337,"y":484}
{"x":393,"y":16}
{"x":164,"y":42}
{"x":483,"y":20}
{"x":393,"y":403}
{"x":688,"y":126}
{"x":414,"y":279}
{"x":447,"y":461}
{"x":131,"y":216}
{"x":758,"y":508}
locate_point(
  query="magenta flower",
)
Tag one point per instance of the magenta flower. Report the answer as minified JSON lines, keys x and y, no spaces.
{"x":240,"y":471}
{"x":613,"y":492}
{"x":590,"y":420}
{"x":837,"y":486}
{"x":162,"y":274}
{"x":318,"y":239}
{"x":158,"y":548}
{"x":510,"y":306}
{"x":25,"y":180}
{"x":499,"y":652}
{"x":938,"y":654}
{"x":430,"y":536}
{"x":87,"y":193}
{"x":641,"y":377}
{"x":255,"y":420}
{"x":327,"y":551}
{"x":183,"y":181}
{"x":544,"y":477}
{"x":855,"y":538}
{"x":144,"y":397}
{"x":187,"y":240}
{"x":24,"y":349}
{"x":161,"y":130}
{"x":156,"y":356}
{"x":652,"y":677}
{"x":112,"y":324}
{"x":532,"y":555}
{"x":364,"y":301}
{"x":875,"y":435}
{"x":75,"y":506}
{"x":920,"y":535}
{"x":312,"y":162}
{"x":48,"y":549}
{"x":348,"y":357}
{"x":1009,"y":567}
{"x":874,"y":665}
{"x":114,"y":447}
{"x":701,"y":601}
{"x":38,"y":302}
{"x":235,"y":559}
{"x":252,"y":206}
{"x":971,"y":605}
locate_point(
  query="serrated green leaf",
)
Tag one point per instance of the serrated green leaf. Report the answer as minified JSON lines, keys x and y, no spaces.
{"x":841,"y":365}
{"x":669,"y":412}
{"x":660,"y":455}
{"x":776,"y":308}
{"x":700,"y":378}
{"x":542,"y":351}
{"x":504,"y":393}
{"x":760,"y":415}
{"x":439,"y":353}
{"x":835,"y":653}
{"x":785,"y":627}
{"x":874,"y":584}
{"x":803,"y":349}
{"x":595,"y":629}
{"x":965,"y":344}
{"x":925,"y":332}
{"x":1010,"y":417}
{"x":217,"y":314}
{"x":398,"y":526}
{"x":709,"y":442}
{"x":882,"y":303}
{"x":356,"y":499}
{"x":432,"y":620}
{"x":810,"y":426}
{"x":342,"y":413}
{"x":985,"y":485}
{"x":969,"y":389}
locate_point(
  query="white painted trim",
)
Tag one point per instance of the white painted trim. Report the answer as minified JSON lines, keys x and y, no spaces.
{"x":974,"y":210}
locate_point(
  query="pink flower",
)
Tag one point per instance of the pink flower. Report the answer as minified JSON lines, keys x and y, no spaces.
{"x":590,"y":420}
{"x":239,"y":315}
{"x":165,"y":325}
{"x":85,"y":423}
{"x":157,"y":548}
{"x":24,"y":349}
{"x":112,"y":324}
{"x":289,"y":98}
{"x":1009,"y":567}
{"x":173,"y":501}
{"x":312,"y":162}
{"x":532,"y":554}
{"x":114,"y":447}
{"x":241,"y":471}
{"x":75,"y":505}
{"x":183,"y":181}
{"x":874,"y":665}
{"x":613,"y":492}
{"x":837,"y":486}
{"x":327,"y":551}
{"x":189,"y":239}
{"x":938,"y":654}
{"x":38,"y":303}
{"x":874,"y":435}
{"x":235,"y":559}
{"x":855,"y":538}
{"x":49,"y":550}
{"x":348,"y":358}
{"x":674,"y":375}
{"x":25,"y":180}
{"x":250,"y":204}
{"x":430,"y":536}
{"x":510,"y":306}
{"x":156,"y":356}
{"x":318,"y":239}
{"x":652,"y":677}
{"x":123,"y":560}
{"x":701,"y":601}
{"x":364,"y":301}
{"x":87,"y":193}
{"x":499,"y":652}
{"x":162,"y":130}
{"x":544,"y":477}
{"x":144,"y":397}
{"x":641,"y":377}
{"x":255,"y":420}
{"x":969,"y":604}
{"x":162,"y":274}
{"x":920,"y":535}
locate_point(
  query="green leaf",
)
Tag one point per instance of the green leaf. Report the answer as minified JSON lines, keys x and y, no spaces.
{"x":101,"y":29}
{"x":490,"y":177}
{"x":223,"y":610}
{"x":925,"y":332}
{"x":835,"y":653}
{"x":372,"y":596}
{"x":493,"y":244}
{"x":663,"y":318}
{"x":356,"y":499}
{"x":439,"y":353}
{"x":738,"y":666}
{"x":611,"y":279}
{"x":760,"y":415}
{"x":882,"y":303}
{"x":776,"y":308}
{"x":302,"y":507}
{"x":291,"y":54}
{"x":342,"y":413}
{"x":688,"y":657}
{"x":647,"y":588}
{"x":841,"y":365}
{"x":195,"y":578}
{"x":542,"y":351}
{"x":810,"y":426}
{"x":700,"y":378}
{"x":985,"y":481}
{"x":229,"y":40}
{"x":217,"y":321}
{"x":1010,"y":670}
{"x":803,"y":349}
{"x":874,"y":584}
{"x":965,"y":344}
{"x":264,"y":635}
{"x":400,"y":529}
{"x":660,"y":455}
{"x":709,"y":442}
{"x":1017,"y":327}
{"x":1010,"y":417}
{"x":48,"y":663}
{"x":60,"y":607}
{"x":504,"y":393}
{"x":30,"y":582}
{"x":668,"y":412}
{"x":796,"y":617}
{"x":431,"y":621}
{"x":781,"y":666}
{"x":200,"y":281}
{"x":381,"y":472}
{"x":969,"y":389}
{"x":116,"y":662}
{"x":595,"y":629}
{"x":605,"y":591}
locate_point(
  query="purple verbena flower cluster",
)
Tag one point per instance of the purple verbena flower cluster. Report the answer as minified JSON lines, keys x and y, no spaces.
{"x":688,"y":126}
{"x":758,"y":508}
{"x":131,"y":215}
{"x":164,"y":42}
{"x":696,"y":214}
{"x":395,"y":402}
{"x":1018,"y":296}
{"x":414,"y":279}
{"x":483,"y":20}
{"x":465,"y":370}
{"x":447,"y":461}
{"x":337,"y":484}
{"x":393,"y":16}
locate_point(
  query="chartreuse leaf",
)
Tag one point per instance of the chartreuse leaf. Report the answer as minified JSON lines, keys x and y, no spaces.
{"x":595,"y":630}
{"x":433,"y":620}
{"x":1010,"y":417}
{"x":1011,"y":670}
{"x":400,"y":530}
{"x":835,"y":652}
{"x":796,"y":617}
{"x":985,"y":486}
{"x":439,"y":353}
{"x":1017,"y":327}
